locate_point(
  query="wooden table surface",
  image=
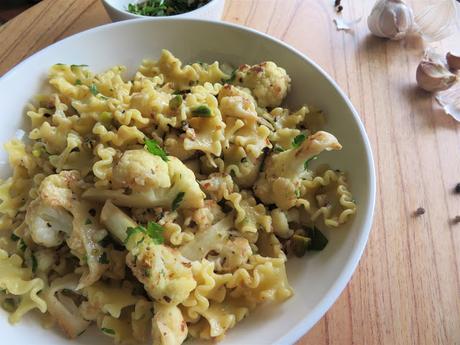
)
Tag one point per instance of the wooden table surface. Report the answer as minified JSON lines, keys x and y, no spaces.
{"x":406,"y":289}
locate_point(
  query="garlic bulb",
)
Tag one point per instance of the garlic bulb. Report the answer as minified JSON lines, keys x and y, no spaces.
{"x":391,"y":19}
{"x":439,"y":20}
{"x":433,"y":75}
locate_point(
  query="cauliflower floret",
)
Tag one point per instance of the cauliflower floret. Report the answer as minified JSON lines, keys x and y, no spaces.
{"x":268,"y":83}
{"x":283,"y":171}
{"x":58,"y":214}
{"x":166,"y":275}
{"x":168,"y":325}
{"x":138,"y":169}
{"x":235,"y":253}
{"x":180,"y":179}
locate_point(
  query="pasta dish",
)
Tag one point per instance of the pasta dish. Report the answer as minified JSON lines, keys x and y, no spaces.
{"x":164,"y":206}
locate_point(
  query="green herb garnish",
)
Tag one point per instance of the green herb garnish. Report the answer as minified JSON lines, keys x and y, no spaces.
{"x":201,"y":111}
{"x":88,"y":221}
{"x":34,"y":263}
{"x":22,"y":245}
{"x":175,"y":102}
{"x":278,"y":149}
{"x":177,"y":200}
{"x":318,"y":240}
{"x":232,"y":77}
{"x":103,"y":259}
{"x":299,"y":245}
{"x":14,"y":238}
{"x":78,"y":66}
{"x":93,"y":89}
{"x":305,"y":165}
{"x":78,"y":82}
{"x":155,"y":8}
{"x":153,"y":230}
{"x":108,"y":331}
{"x":298,"y":140}
{"x":297,"y":193}
{"x":155,"y":149}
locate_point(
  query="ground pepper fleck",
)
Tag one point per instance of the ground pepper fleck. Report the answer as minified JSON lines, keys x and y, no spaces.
{"x":457,"y":188}
{"x":457,"y":219}
{"x":420,"y":211}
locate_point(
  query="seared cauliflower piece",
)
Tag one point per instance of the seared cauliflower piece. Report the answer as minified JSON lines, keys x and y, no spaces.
{"x":59,"y":214}
{"x":283,"y":171}
{"x":164,"y":272}
{"x":149,"y":181}
{"x":268,"y":83}
{"x":138,"y":169}
{"x":168,"y":325}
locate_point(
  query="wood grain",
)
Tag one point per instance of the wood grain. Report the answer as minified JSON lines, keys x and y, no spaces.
{"x":406,"y":289}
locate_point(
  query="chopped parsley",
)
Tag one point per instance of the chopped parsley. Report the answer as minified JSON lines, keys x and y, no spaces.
{"x":153,"y":230}
{"x":78,"y":66}
{"x":177,"y":200}
{"x":34,"y":263}
{"x":14,"y":238}
{"x":103,"y":259}
{"x":78,"y":82}
{"x":318,"y":240}
{"x":278,"y":149}
{"x":305,"y":165}
{"x":157,"y":8}
{"x":93,"y":89}
{"x":232,"y":77}
{"x":297,"y":193}
{"x":152,"y":146}
{"x":201,"y":111}
{"x":108,"y":331}
{"x":298,"y":140}
{"x":88,"y":221}
{"x":175,"y":102}
{"x":22,"y":245}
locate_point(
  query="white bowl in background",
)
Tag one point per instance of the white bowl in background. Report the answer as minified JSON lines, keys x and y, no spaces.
{"x":317,"y":279}
{"x":118,"y":10}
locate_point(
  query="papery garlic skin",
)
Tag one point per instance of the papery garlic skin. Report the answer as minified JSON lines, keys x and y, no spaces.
{"x":391,"y":19}
{"x":433,"y":74}
{"x":453,"y":61}
{"x":438,"y":20}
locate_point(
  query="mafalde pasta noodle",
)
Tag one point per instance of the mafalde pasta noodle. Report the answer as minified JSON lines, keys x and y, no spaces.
{"x":166,"y":206}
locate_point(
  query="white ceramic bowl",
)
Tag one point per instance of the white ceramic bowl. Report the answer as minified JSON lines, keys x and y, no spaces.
{"x":319,"y":278}
{"x":118,"y":10}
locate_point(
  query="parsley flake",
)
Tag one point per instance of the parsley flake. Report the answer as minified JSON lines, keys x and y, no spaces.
{"x":22,"y":245}
{"x":305,"y":165}
{"x":14,"y":238}
{"x":34,"y":263}
{"x":318,"y":240}
{"x":93,"y":89}
{"x":153,"y":230}
{"x":177,"y":200}
{"x":152,"y":146}
{"x":103,"y":259}
{"x":298,"y":140}
{"x":201,"y":111}
{"x":108,"y":331}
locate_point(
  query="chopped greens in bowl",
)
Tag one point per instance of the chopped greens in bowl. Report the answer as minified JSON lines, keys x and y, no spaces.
{"x":158,"y":8}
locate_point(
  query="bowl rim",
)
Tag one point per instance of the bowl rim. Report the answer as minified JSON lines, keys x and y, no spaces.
{"x":138,"y":16}
{"x":303,"y":325}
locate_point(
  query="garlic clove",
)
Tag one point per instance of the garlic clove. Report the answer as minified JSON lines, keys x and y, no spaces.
{"x":433,"y":76}
{"x":453,"y":61}
{"x":391,"y":19}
